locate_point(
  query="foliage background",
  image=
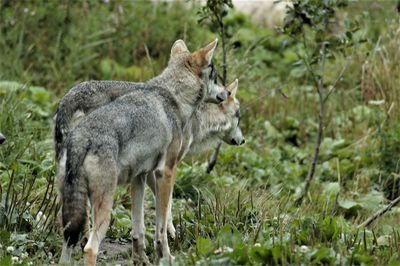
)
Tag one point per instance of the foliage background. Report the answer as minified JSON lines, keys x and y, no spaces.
{"x":243,"y":212}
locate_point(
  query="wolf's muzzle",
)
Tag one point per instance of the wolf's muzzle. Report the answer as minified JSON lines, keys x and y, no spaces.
{"x":237,"y":142}
{"x":2,"y":138}
{"x":222,"y":96}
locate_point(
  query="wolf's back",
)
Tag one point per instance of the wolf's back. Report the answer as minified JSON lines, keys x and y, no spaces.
{"x":86,"y":97}
{"x":74,"y":192}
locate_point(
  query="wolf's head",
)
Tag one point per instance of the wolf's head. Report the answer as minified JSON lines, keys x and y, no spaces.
{"x":2,"y":138}
{"x":199,"y":64}
{"x":231,"y":107}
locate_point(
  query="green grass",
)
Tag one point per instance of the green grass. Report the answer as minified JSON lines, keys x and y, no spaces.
{"x":244,"y":211}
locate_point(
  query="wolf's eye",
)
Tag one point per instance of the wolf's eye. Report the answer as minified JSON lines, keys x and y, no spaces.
{"x":237,"y":115}
{"x":213,"y":73}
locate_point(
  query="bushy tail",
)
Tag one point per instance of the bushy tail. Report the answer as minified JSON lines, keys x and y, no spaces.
{"x":74,"y":194}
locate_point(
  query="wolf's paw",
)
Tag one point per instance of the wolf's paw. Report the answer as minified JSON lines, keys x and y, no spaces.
{"x":90,"y":256}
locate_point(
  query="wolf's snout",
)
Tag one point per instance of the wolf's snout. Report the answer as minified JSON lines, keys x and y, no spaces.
{"x":2,"y":138}
{"x":237,"y":142}
{"x":222,"y":96}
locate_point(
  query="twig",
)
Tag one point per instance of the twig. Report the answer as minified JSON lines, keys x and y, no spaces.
{"x":380,"y":212}
{"x":339,"y":77}
{"x":320,"y":90}
{"x":213,"y":159}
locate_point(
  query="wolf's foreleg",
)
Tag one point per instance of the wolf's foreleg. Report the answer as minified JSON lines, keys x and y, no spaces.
{"x":164,"y":186}
{"x":151,"y":182}
{"x":138,"y":242}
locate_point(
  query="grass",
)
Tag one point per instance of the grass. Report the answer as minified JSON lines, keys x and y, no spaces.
{"x":243,"y":212}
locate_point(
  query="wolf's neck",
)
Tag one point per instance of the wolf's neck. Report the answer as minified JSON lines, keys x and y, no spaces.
{"x":184,"y":87}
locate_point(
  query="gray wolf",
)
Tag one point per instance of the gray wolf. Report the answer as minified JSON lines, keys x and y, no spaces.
{"x":210,"y":124}
{"x":121,"y":142}
{"x":2,"y":138}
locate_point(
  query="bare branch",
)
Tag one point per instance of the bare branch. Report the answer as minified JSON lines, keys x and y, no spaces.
{"x":380,"y":213}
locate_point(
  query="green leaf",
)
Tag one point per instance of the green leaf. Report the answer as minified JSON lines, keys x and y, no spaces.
{"x":372,"y":200}
{"x":204,"y":246}
{"x":322,"y":256}
{"x":240,"y":254}
{"x":40,"y":95}
{"x":331,"y":188}
{"x":348,"y":204}
{"x":298,"y":72}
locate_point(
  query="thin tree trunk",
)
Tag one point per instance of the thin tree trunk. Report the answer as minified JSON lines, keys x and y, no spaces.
{"x":213,"y":159}
{"x":320,"y":88}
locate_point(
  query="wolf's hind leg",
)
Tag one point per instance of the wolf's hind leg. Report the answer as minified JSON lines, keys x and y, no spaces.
{"x":102,"y":183}
{"x":138,"y":241}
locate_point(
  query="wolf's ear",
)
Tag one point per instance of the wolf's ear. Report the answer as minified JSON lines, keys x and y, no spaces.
{"x":232,"y":88}
{"x":178,"y":47}
{"x":209,"y":51}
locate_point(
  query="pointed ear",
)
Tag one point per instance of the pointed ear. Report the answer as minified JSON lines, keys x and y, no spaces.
{"x":209,"y":51}
{"x":178,"y":47}
{"x":232,"y":88}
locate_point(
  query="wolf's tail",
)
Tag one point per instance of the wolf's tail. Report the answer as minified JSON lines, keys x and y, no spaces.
{"x":74,"y":194}
{"x":61,"y":128}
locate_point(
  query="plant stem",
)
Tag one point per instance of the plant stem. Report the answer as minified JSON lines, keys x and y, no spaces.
{"x":320,"y":89}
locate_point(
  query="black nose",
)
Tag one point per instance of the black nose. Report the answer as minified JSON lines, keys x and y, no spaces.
{"x":2,"y":139}
{"x":222,"y":96}
{"x":235,"y":142}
